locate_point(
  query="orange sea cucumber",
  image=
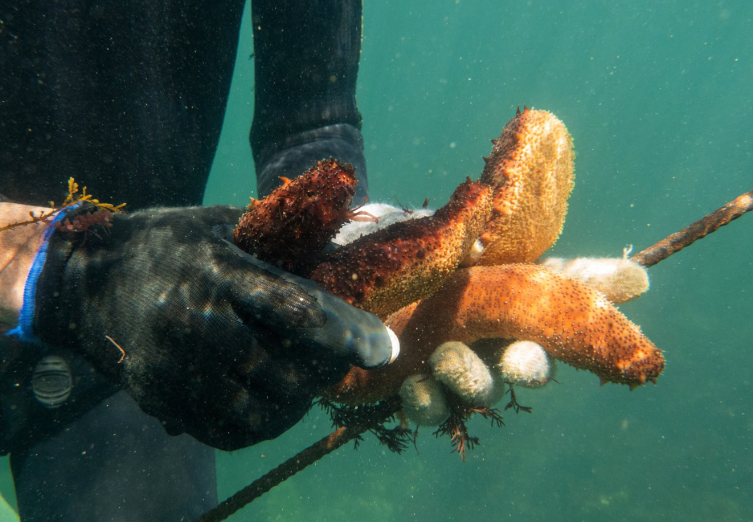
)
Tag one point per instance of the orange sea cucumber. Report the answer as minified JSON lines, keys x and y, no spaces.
{"x":531,"y":169}
{"x":299,"y":218}
{"x":574,"y":324}
{"x":407,"y":261}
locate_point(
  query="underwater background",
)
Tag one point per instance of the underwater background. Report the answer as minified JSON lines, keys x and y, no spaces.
{"x":658,"y":97}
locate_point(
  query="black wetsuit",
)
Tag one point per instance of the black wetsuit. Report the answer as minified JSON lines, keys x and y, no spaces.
{"x":129,"y":97}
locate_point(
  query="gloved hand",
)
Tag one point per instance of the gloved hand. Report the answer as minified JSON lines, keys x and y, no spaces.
{"x":203,"y":336}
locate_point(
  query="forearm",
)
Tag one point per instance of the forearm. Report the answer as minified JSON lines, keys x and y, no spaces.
{"x":18,"y":246}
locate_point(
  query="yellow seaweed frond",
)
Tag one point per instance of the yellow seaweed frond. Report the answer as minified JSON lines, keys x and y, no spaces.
{"x":70,"y":200}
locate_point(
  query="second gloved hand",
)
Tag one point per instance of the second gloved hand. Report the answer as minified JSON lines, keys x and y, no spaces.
{"x":203,"y":336}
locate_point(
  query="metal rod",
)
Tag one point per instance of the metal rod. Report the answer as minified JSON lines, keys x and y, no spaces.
{"x":281,"y":473}
{"x":698,"y":230}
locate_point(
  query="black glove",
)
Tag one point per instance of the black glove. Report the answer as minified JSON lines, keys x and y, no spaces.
{"x":205,"y":337}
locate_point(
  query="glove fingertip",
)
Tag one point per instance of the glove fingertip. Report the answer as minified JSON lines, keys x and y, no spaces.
{"x":395,"y":345}
{"x":375,"y":349}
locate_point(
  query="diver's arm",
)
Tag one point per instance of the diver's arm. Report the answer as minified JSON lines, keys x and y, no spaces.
{"x":18,"y":246}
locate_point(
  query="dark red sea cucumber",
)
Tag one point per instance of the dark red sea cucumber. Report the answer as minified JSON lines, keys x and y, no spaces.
{"x":298,"y":219}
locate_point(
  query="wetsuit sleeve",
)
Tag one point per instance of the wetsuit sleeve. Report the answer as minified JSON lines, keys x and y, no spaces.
{"x":306,"y":66}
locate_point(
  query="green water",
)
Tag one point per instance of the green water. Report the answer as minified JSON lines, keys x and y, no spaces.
{"x":657,"y":96}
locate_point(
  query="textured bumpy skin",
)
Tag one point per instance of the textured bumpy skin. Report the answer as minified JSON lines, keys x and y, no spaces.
{"x":424,"y":400}
{"x":463,"y":372}
{"x":298,"y":219}
{"x":531,"y":170}
{"x":574,"y":324}
{"x":524,"y":363}
{"x":407,"y":261}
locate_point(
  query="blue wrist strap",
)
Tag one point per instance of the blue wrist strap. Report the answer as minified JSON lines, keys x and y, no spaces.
{"x":24,"y":330}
